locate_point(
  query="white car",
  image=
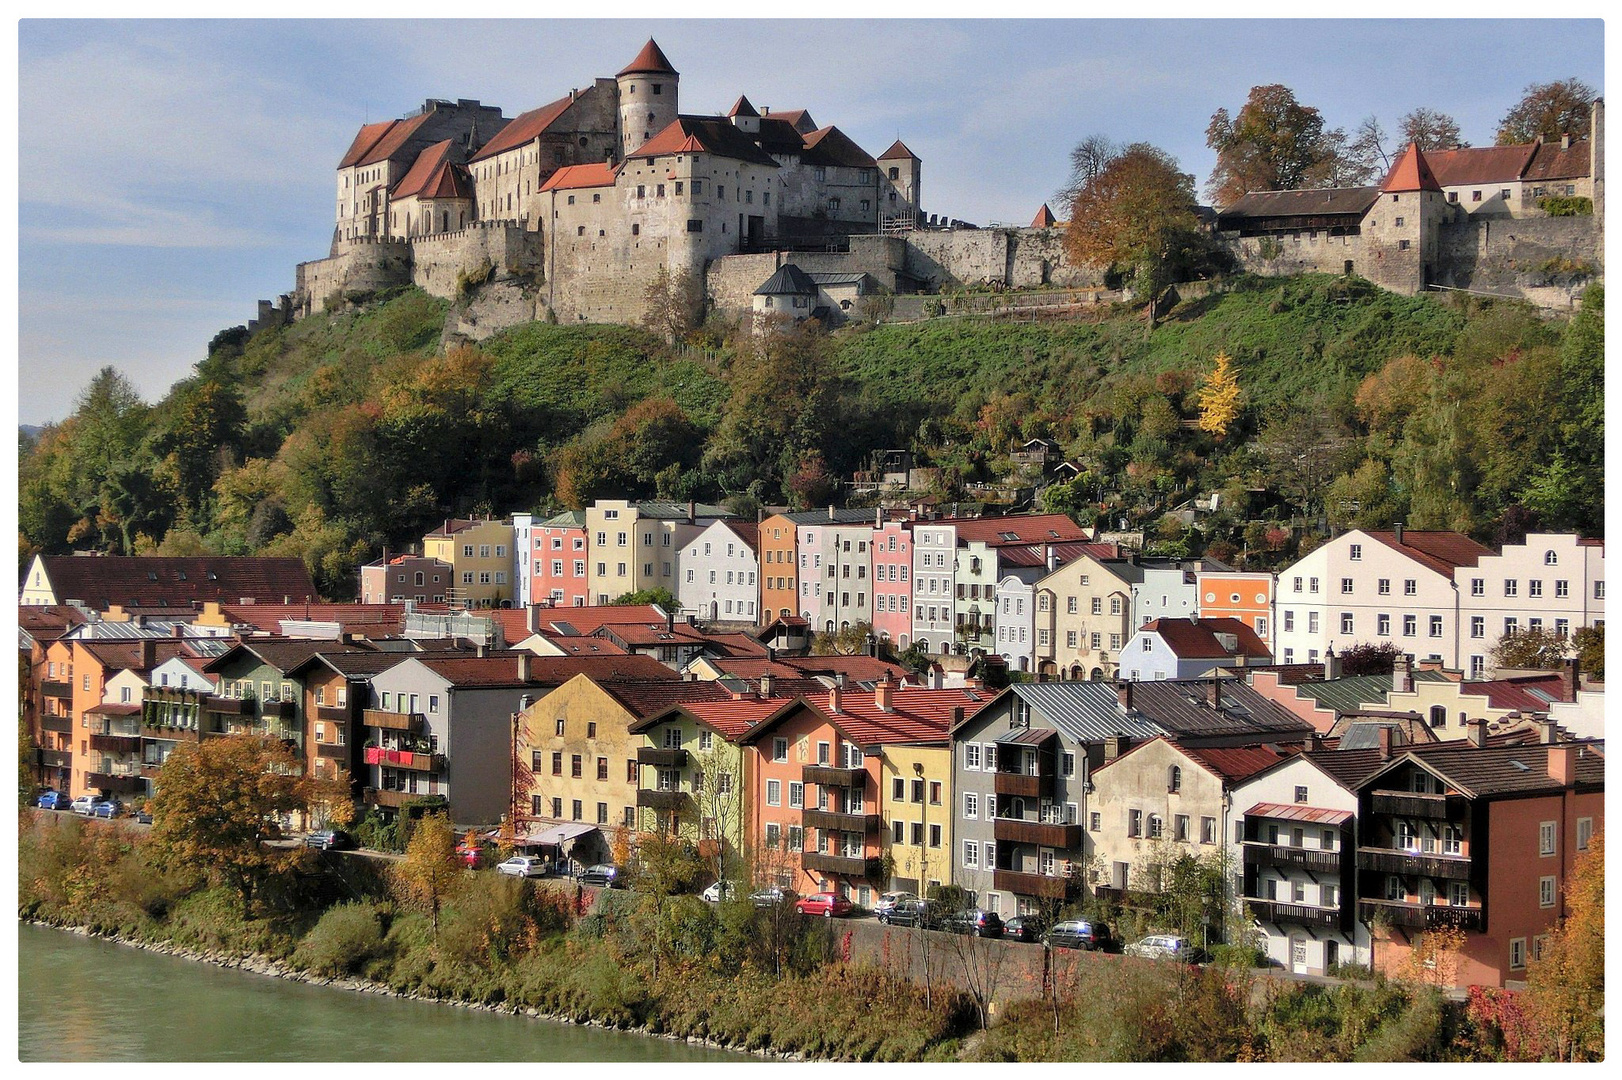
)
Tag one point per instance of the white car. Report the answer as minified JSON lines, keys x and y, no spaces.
{"x":1161,"y":947}
{"x":718,"y":891}
{"x":888,"y":901}
{"x":84,"y":804}
{"x":523,"y":866}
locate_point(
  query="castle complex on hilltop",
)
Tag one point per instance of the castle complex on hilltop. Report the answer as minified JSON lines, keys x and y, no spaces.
{"x":572,"y":211}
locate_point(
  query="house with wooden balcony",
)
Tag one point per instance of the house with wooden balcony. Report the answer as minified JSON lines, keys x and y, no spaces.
{"x":37,"y":627}
{"x":824,"y":788}
{"x":1021,"y":772}
{"x":1295,"y":850}
{"x":110,"y":673}
{"x":259,"y":694}
{"x":1478,"y":838}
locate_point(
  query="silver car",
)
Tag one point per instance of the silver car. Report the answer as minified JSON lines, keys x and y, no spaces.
{"x":523,"y":866}
{"x":889,"y":900}
{"x":1162,"y":947}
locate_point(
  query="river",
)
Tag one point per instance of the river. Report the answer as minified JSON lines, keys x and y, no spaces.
{"x":83,"y":999}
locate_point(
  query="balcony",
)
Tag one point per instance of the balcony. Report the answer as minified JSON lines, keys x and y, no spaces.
{"x":1041,"y":833}
{"x":1274,"y":911}
{"x":1022,"y":785}
{"x":816,"y":862}
{"x":332,"y":712}
{"x":283,"y":710}
{"x":335,"y":751}
{"x":56,"y":759}
{"x":228,"y":706}
{"x":828,"y":776}
{"x":404,"y":759}
{"x":389,"y":798}
{"x":1409,"y":804}
{"x":56,"y":689}
{"x":391,"y":721}
{"x":1051,"y":888}
{"x":669,"y":759}
{"x":116,"y":744}
{"x":61,"y":724}
{"x":1395,"y":861}
{"x":118,"y":782}
{"x":1313,"y":859}
{"x":1422,"y":916}
{"x":857,"y":823}
{"x":678,"y":801}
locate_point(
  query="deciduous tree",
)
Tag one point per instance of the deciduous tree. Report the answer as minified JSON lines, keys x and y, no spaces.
{"x":1431,"y":129}
{"x":1533,"y":647}
{"x":1566,"y":988}
{"x":1219,"y":398}
{"x":1549,"y":110}
{"x":431,"y":868}
{"x":1273,"y":144}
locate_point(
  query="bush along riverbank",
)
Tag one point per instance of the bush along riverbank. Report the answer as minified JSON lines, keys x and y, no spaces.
{"x":764,"y":981}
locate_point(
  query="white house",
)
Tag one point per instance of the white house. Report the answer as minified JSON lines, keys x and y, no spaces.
{"x":1373,"y":587}
{"x":1168,"y":588}
{"x":1190,"y":649}
{"x":185,"y":673}
{"x":1015,"y":622}
{"x":1296,"y":843}
{"x":718,"y":573}
{"x":934,"y":581}
{"x":1551,"y":581}
{"x":523,"y":533}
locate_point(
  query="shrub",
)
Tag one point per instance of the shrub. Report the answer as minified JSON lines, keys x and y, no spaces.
{"x":1238,"y":956}
{"x":344,"y":938}
{"x":1566,"y":205}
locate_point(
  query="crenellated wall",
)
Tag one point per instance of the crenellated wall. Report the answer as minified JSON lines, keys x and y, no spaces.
{"x":438,"y":261}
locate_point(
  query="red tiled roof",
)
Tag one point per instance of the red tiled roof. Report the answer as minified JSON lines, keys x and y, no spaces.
{"x":795,"y":118}
{"x":1410,"y":173}
{"x":116,"y":708}
{"x":1025,"y":529}
{"x":268,"y":618}
{"x":898,"y":149}
{"x":731,"y":717}
{"x":125,"y":655}
{"x":706,"y":134}
{"x":858,"y":668}
{"x":1479,"y":164}
{"x":1044,"y":218}
{"x":830,"y":146}
{"x":1552,"y":163}
{"x":47,"y":622}
{"x":1190,"y":640}
{"x":394,"y":139}
{"x":524,"y":127}
{"x":650,"y":61}
{"x":747,"y":531}
{"x":596,"y":174}
{"x":1443,"y":552}
{"x":917,"y":715}
{"x":100,"y":581}
{"x":365,"y":139}
{"x":741,"y":107}
{"x":643,"y":698}
{"x":586,"y":646}
{"x":502,"y":669}
{"x":586,"y":620}
{"x":1233,"y":763}
{"x":1516,"y":693}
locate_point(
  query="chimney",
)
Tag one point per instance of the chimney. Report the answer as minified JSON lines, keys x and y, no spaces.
{"x":830,"y":512}
{"x":937,"y":677}
{"x":149,"y":653}
{"x":771,"y":652}
{"x":478,"y":650}
{"x":1563,"y":764}
{"x":692,"y":511}
{"x":1123,"y":693}
{"x":670,"y":622}
{"x":1115,"y":746}
{"x":766,"y":685}
{"x":1565,"y":141}
{"x":1402,"y":675}
{"x":1314,"y":742}
{"x":1382,"y":738}
{"x":957,"y":716}
{"x":532,"y":618}
{"x":836,"y":703}
{"x":524,"y":657}
{"x":1574,"y":680}
{"x":1547,"y":731}
{"x":1476,"y":731}
{"x":884,"y":694}
{"x":1396,"y":527}
{"x":1213,"y":693}
{"x":1332,"y":664}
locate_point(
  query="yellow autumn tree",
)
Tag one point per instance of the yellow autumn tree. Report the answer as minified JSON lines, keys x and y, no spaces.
{"x":1219,"y":398}
{"x":1566,"y":988}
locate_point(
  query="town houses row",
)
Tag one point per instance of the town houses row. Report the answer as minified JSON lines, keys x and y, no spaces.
{"x":1349,"y":815}
{"x":1035,"y":590}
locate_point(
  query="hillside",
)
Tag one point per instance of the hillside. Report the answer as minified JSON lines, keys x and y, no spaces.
{"x":345,"y":432}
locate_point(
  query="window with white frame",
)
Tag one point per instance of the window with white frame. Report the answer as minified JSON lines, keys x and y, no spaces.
{"x":774,"y":793}
{"x":971,"y":804}
{"x":1546,"y":838}
{"x":1517,"y":953}
{"x":1546,"y":891}
{"x":971,"y":854}
{"x":1585,"y":832}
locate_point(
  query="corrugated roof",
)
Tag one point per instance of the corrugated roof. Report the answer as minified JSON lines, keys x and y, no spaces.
{"x":100,"y":581}
{"x":1028,"y":736}
{"x":1443,"y":552}
{"x":1350,"y":693}
{"x":1085,"y":711}
{"x":1181,"y":707}
{"x":1288,"y":812}
{"x":838,"y":279}
{"x":525,"y":127}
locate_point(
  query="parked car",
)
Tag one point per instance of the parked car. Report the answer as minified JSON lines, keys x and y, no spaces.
{"x":890,"y":900}
{"x":719,"y":891}
{"x":1074,"y":934}
{"x":911,"y":913}
{"x":524,"y":866}
{"x":470,"y":855}
{"x":826,"y":904}
{"x":84,"y":804}
{"x":602,"y":876}
{"x":976,"y":921}
{"x":1024,"y":928}
{"x":144,"y":816}
{"x":1162,"y":947}
{"x":771,"y":896}
{"x":51,"y":799}
{"x":329,"y":840}
{"x":107,"y":808}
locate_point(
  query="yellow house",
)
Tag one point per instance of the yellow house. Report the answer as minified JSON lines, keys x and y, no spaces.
{"x":480,"y":554}
{"x":918,"y":813}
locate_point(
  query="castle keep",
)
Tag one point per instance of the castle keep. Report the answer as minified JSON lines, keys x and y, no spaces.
{"x":571,"y":211}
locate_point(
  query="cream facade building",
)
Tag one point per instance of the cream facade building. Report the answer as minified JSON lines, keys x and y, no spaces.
{"x":479,"y":554}
{"x":1084,"y":612}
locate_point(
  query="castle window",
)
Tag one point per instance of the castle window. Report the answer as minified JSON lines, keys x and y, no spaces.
{"x":867,"y":204}
{"x":720,"y":191}
{"x":600,"y":232}
{"x":1475,"y":196}
{"x":571,"y":200}
{"x":1402,"y":245}
{"x":641,"y":191}
{"x":765,"y":198}
{"x":833,"y":204}
{"x":582,"y":140}
{"x":580,"y":230}
{"x":633,"y":88}
{"x":1453,"y":196}
{"x":895,"y":173}
{"x":659,"y":191}
{"x":819,"y":173}
{"x":678,"y":187}
{"x":636,"y":230}
{"x":1399,"y":223}
{"x":658,"y":88}
{"x":698,"y":187}
{"x":597,"y":197}
{"x":695,"y":224}
{"x":557,"y":155}
{"x":749,"y":196}
{"x":1504,"y":194}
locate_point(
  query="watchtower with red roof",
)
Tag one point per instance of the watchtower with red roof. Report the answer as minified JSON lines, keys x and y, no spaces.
{"x":1402,"y":228}
{"x":647,"y":97}
{"x":901,"y":184}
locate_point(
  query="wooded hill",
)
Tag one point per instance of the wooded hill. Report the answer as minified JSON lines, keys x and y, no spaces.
{"x":341,"y":433}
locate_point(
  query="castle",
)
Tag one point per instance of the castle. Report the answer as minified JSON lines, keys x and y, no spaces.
{"x":571,"y":212}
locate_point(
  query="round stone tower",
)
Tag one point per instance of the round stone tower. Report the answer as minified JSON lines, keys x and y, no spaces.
{"x":647,"y":88}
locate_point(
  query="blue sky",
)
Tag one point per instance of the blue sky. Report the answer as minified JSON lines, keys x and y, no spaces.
{"x":172,"y":173}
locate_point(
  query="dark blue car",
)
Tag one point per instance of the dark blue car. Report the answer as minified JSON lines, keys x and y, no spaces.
{"x":107,"y":808}
{"x":54,"y":800}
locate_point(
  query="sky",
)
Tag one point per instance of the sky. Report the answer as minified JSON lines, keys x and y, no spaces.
{"x":172,"y":173}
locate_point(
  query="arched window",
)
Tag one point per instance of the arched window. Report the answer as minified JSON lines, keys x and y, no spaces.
{"x":1174,"y":778}
{"x":1438,"y":715}
{"x":1550,"y":559}
{"x":1156,"y":826}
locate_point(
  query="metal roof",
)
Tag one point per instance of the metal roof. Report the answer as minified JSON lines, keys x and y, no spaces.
{"x":1299,"y":813}
{"x":1350,"y":693}
{"x":1028,"y":736}
{"x":1085,"y":711}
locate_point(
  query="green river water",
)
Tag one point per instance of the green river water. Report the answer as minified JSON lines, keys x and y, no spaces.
{"x":82,"y":999}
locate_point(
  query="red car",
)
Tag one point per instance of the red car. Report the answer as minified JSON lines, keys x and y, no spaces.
{"x":826,"y":904}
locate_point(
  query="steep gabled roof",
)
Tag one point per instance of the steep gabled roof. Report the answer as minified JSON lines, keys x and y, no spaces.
{"x":100,"y":581}
{"x":436,"y":174}
{"x":596,"y":174}
{"x":524,"y":127}
{"x":898,"y":151}
{"x":650,"y":61}
{"x":1443,"y":552}
{"x":704,"y":134}
{"x":1411,"y":172}
{"x":365,"y":139}
{"x":394,"y":139}
{"x":1197,"y":640}
{"x":778,"y":136}
{"x":789,"y":280}
{"x":1550,"y":162}
{"x":741,"y":107}
{"x":830,"y":146}
{"x":798,"y":119}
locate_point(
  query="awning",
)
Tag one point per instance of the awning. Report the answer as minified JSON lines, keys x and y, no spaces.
{"x":554,"y":835}
{"x":1299,"y":813}
{"x":115,"y":708}
{"x":1028,"y":736}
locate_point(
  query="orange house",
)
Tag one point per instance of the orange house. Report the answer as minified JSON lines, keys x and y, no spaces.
{"x":779,"y":577}
{"x":1247,"y":597}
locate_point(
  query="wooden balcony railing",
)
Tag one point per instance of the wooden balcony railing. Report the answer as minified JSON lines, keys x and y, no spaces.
{"x":332,"y":712}
{"x":1274,"y":911}
{"x":1314,"y":859}
{"x":228,"y":706}
{"x":335,"y":751}
{"x":1422,"y":916}
{"x":56,"y":759}
{"x":816,"y":862}
{"x":1396,"y":861}
{"x":1022,"y":785}
{"x":669,"y":759}
{"x":828,"y":776}
{"x":1043,"y":834}
{"x":60,"y":724}
{"x":857,"y":823}
{"x":385,"y":797}
{"x":1409,"y":804}
{"x":116,"y":744}
{"x":120,"y":783}
{"x":1053,"y":888}
{"x":679,"y":801}
{"x":55,"y":688}
{"x":282,"y":710}
{"x":391,"y":721}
